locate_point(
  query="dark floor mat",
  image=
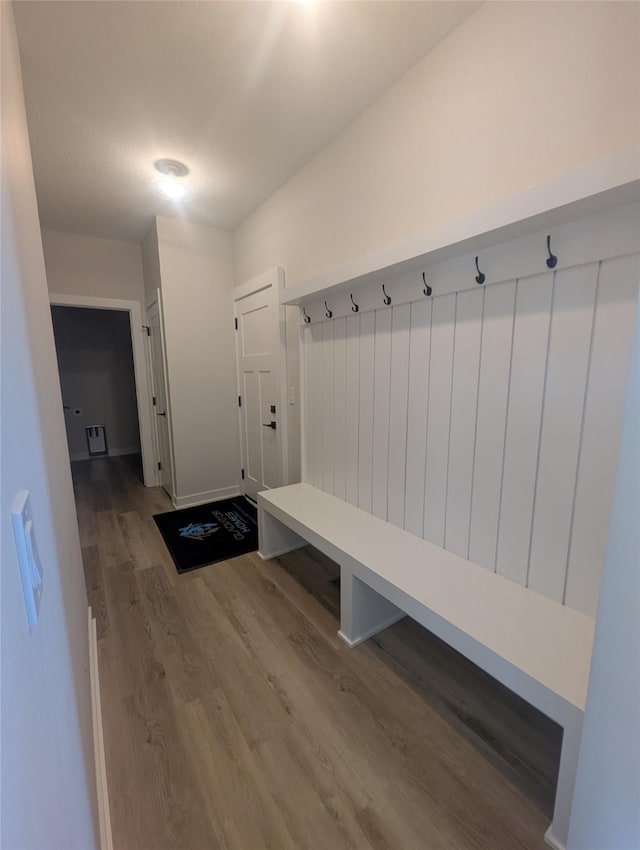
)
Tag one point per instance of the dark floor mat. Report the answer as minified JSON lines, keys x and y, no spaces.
{"x":209,"y":533}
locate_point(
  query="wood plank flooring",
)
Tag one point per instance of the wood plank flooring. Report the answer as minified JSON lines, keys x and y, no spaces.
{"x":235,"y":719}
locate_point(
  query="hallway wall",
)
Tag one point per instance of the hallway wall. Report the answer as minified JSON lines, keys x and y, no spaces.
{"x":192,"y":266}
{"x":95,"y":362}
{"x":520,"y":93}
{"x":48,"y":797}
{"x":89,"y":265}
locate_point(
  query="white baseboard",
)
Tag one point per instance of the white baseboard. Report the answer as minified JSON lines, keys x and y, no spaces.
{"x":202,"y":498}
{"x":552,"y":841}
{"x":104,"y":815}
{"x":133,"y":450}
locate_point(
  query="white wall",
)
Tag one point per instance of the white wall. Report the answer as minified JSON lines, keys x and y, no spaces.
{"x":196,"y":281}
{"x":48,"y":780}
{"x":95,"y":363}
{"x":518,"y":94}
{"x":88,"y":265}
{"x":151,"y":263}
{"x":606,"y":810}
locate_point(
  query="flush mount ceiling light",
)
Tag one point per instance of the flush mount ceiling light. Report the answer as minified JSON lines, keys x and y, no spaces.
{"x":171,"y":189}
{"x":171,"y":186}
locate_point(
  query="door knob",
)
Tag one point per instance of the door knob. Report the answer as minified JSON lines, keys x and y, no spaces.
{"x":161,"y":414}
{"x":271,"y":424}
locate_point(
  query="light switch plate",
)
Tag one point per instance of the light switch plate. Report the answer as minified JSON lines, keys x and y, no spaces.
{"x":292,"y":395}
{"x":28,"y":558}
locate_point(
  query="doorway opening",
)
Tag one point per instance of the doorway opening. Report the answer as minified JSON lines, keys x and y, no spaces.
{"x":104,"y":380}
{"x":95,"y":364}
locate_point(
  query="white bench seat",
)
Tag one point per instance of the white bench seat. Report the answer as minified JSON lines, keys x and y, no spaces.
{"x":538,"y":648}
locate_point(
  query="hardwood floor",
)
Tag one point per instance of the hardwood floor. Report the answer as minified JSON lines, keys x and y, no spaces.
{"x":234,"y":718}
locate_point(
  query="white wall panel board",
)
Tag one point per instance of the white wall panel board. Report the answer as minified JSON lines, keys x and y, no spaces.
{"x":339,"y":407}
{"x":464,"y":399}
{"x":439,"y":416}
{"x":607,"y":381}
{"x":365,"y":426}
{"x":327,"y":406}
{"x":484,"y":419}
{"x":493,"y":396}
{"x":419,"y":358}
{"x":398,"y":412}
{"x":568,"y":360}
{"x":524,"y":415}
{"x":381,"y":400}
{"x":306,"y":353}
{"x":352,"y":408}
{"x":316,"y":400}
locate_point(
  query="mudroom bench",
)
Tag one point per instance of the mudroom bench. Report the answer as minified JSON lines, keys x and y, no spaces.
{"x":536,"y":647}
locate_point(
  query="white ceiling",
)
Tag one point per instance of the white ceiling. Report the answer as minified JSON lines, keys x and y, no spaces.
{"x":244,"y":93}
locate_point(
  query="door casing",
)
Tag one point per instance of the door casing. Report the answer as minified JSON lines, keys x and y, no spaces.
{"x":140,"y":369}
{"x":169,"y":469}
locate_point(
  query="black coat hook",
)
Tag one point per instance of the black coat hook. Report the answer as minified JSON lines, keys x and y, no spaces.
{"x":355,"y":307}
{"x":387,"y":298}
{"x":427,"y":289}
{"x":328,"y":313}
{"x":480,"y":278}
{"x":306,"y":318}
{"x":552,"y":260}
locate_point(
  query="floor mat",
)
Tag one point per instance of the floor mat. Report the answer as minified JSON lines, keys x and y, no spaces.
{"x":209,"y":533}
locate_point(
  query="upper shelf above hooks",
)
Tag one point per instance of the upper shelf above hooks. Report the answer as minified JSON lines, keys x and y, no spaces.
{"x":596,"y":187}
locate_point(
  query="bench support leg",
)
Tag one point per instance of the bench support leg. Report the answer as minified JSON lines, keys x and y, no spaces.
{"x":557,"y":834}
{"x":363,"y":612}
{"x":275,"y":538}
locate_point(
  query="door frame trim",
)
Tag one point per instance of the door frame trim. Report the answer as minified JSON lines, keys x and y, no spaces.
{"x":275,"y":278}
{"x":156,"y":298}
{"x":141,"y":373}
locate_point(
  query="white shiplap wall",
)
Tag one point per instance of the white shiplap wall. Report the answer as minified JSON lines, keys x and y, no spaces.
{"x":485,"y":418}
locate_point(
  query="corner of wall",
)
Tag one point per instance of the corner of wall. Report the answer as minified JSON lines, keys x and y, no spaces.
{"x":151,"y":262}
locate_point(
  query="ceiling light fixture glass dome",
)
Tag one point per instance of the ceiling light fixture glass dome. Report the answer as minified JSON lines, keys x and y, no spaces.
{"x":171,"y":186}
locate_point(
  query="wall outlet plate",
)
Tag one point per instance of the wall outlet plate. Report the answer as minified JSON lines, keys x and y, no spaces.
{"x":28,"y":558}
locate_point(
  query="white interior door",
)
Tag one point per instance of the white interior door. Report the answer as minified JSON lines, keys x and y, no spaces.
{"x":260,"y":382}
{"x":160,"y":409}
